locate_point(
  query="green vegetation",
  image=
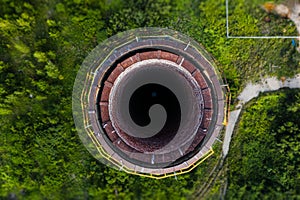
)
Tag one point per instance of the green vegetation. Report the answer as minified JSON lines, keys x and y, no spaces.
{"x":264,"y":158}
{"x":259,"y":22}
{"x":42,"y":45}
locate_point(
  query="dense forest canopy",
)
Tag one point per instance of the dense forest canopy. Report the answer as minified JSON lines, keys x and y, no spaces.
{"x":42,"y":45}
{"x":264,"y":158}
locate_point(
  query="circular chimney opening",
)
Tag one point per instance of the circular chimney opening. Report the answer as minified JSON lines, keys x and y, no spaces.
{"x":151,"y":102}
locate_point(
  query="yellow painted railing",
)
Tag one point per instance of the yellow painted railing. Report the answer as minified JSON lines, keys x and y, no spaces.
{"x":227,"y":106}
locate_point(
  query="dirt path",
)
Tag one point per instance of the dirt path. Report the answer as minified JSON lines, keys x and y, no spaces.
{"x":251,"y":91}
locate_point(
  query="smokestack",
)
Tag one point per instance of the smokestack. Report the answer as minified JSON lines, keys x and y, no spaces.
{"x":149,"y":101}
